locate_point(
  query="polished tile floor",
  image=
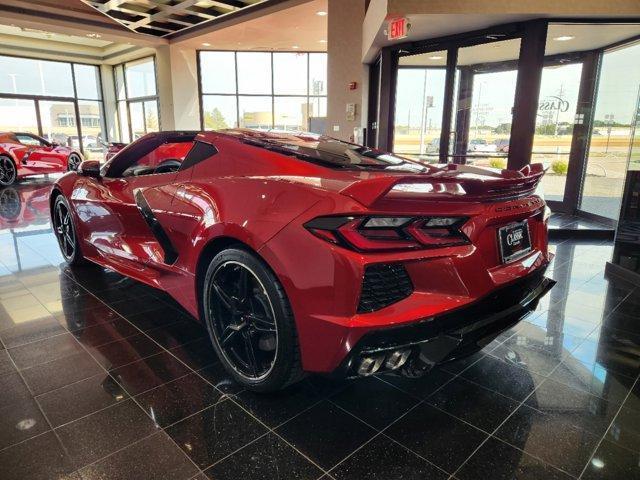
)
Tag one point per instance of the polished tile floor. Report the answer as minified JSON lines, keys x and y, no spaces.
{"x":101,"y":377}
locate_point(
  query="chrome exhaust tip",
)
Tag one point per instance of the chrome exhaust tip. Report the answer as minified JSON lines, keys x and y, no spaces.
{"x":370,"y":365}
{"x":397,"y":359}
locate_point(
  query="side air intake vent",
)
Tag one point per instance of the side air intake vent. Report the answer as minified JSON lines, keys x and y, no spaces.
{"x":384,"y":285}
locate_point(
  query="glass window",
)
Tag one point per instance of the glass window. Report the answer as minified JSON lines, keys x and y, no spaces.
{"x":488,"y":104}
{"x":317,"y":74}
{"x":167,"y":156}
{"x":419,"y":105}
{"x":317,"y":106}
{"x":29,"y":140}
{"x":255,"y":112}
{"x":141,"y":78}
{"x":218,"y":72}
{"x":611,"y":137}
{"x":87,"y":82}
{"x":557,"y":105}
{"x":219,"y":111}
{"x":290,"y":73}
{"x":151,"y":119}
{"x":93,"y":129}
{"x":291,"y":113}
{"x":254,"y":73}
{"x":136,"y":112}
{"x":27,"y":76}
{"x":58,"y":120}
{"x":136,"y":81}
{"x":18,"y":116}
{"x":298,"y":92}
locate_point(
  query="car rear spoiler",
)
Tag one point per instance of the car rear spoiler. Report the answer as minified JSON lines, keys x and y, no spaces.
{"x":451,"y":182}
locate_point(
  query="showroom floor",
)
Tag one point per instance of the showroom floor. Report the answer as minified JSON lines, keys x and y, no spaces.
{"x":102,"y":377}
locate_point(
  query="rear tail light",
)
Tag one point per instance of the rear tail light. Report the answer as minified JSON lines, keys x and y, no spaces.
{"x":378,"y":233}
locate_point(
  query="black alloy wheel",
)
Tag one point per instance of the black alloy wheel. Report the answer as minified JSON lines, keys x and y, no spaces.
{"x":245,"y":327}
{"x":73,"y":162}
{"x":65,"y":232}
{"x":250,"y":322}
{"x":8,"y":172}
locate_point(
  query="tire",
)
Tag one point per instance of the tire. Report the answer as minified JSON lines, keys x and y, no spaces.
{"x":73,"y":162}
{"x":10,"y":203}
{"x":253,"y":333}
{"x":8,"y":171}
{"x":65,"y":232}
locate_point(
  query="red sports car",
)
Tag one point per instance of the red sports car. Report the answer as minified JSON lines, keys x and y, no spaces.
{"x":302,"y":253}
{"x":24,"y":154}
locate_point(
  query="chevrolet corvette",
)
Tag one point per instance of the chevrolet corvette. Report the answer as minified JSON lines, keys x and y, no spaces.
{"x":301,"y":253}
{"x":24,"y":154}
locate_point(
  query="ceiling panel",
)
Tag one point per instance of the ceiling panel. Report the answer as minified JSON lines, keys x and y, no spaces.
{"x":165,"y":17}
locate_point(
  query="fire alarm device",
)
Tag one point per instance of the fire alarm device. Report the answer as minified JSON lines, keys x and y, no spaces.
{"x":351,"y":112}
{"x":353,"y":85}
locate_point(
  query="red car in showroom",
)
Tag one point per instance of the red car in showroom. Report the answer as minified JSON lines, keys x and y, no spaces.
{"x":302,"y":253}
{"x":25,"y":154}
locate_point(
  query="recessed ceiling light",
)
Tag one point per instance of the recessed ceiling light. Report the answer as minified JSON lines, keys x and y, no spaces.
{"x":295,"y":47}
{"x":94,"y":35}
{"x":596,"y":462}
{"x":206,"y":44}
{"x":321,"y":13}
{"x":435,"y":57}
{"x":322,"y":41}
{"x":564,"y":38}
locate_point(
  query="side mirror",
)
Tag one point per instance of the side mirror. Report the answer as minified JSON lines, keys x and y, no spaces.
{"x":89,"y":168}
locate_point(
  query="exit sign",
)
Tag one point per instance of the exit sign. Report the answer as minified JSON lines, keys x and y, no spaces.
{"x":397,"y":28}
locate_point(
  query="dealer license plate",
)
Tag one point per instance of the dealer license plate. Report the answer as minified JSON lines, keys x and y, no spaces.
{"x":514,"y":241}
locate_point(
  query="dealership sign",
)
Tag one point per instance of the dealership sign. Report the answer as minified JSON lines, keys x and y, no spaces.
{"x":553,"y":103}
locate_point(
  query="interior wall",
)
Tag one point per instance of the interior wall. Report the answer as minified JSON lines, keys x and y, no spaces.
{"x":184,"y":75}
{"x":109,"y":101}
{"x":344,"y":65}
{"x":177,"y":73}
{"x":164,"y":81}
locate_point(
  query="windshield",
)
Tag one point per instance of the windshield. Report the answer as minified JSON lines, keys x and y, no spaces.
{"x":333,"y":153}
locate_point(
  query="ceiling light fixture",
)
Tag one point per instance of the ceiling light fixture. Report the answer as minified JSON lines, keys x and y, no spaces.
{"x":321,"y":13}
{"x":322,"y":41}
{"x":206,"y":44}
{"x":564,"y":38}
{"x":94,"y":35}
{"x":435,"y":57}
{"x":295,"y":47}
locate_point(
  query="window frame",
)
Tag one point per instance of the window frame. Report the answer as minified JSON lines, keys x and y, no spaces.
{"x":75,"y":99}
{"x":272,"y":95}
{"x":128,"y":100}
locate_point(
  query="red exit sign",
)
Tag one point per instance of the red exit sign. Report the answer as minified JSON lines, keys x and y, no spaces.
{"x":397,"y":28}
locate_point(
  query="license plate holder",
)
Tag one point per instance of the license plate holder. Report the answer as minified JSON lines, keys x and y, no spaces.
{"x":514,"y":241}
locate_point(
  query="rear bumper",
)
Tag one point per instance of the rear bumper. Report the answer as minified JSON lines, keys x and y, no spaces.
{"x":455,"y":334}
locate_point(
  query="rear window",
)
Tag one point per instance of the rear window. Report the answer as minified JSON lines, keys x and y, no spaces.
{"x":336,"y":153}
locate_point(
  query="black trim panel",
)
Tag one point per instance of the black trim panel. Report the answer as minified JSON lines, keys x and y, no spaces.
{"x":170,"y":253}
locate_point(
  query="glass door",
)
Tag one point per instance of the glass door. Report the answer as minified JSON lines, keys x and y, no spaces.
{"x":613,"y":138}
{"x":484,"y":106}
{"x":557,"y":106}
{"x":419,"y":105}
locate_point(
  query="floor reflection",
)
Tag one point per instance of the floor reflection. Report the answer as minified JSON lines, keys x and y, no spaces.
{"x":103,"y":377}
